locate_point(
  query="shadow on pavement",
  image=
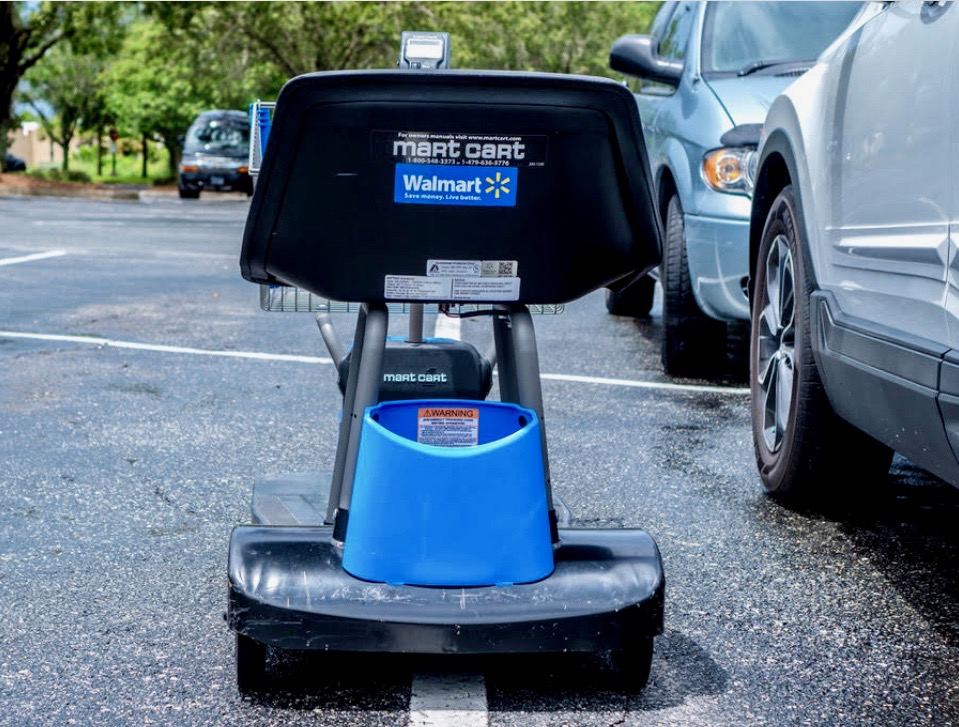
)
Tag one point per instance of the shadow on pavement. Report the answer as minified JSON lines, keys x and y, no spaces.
{"x":380,"y":683}
{"x":907,"y":528}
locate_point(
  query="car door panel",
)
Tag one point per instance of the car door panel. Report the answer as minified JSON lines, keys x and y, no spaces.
{"x":949,"y":378}
{"x":950,"y":15}
{"x":888,"y":161}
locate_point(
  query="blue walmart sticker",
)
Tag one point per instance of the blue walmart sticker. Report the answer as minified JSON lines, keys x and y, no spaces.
{"x":457,"y":185}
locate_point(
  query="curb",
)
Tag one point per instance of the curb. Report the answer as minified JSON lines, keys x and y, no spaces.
{"x":129,"y":194}
{"x":16,"y":191}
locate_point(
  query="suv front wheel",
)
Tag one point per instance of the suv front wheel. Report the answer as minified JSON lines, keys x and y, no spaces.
{"x":804,"y":450}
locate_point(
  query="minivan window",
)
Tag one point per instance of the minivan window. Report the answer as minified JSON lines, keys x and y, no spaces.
{"x":659,"y":22}
{"x":743,"y":34}
{"x":672,"y":46}
{"x":218,"y":135}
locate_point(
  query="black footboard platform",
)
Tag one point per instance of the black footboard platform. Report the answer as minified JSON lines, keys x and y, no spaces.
{"x":287,"y":589}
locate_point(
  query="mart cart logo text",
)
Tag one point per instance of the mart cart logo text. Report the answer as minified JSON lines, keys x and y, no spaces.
{"x":455,"y":185}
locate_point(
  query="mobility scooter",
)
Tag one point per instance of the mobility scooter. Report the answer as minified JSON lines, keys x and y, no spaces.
{"x":470,"y":193}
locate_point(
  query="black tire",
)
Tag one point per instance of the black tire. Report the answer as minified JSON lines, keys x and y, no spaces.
{"x":805,"y":453}
{"x":630,"y":666}
{"x":693,"y":343}
{"x":634,"y":300}
{"x":186,"y":193}
{"x":250,"y":664}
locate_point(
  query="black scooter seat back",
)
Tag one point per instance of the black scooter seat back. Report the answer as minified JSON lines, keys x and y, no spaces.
{"x":452,"y":186}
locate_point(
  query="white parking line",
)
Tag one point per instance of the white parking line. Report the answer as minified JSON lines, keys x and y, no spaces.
{"x":447,"y":327}
{"x":166,"y":349}
{"x":695,"y":388}
{"x":262,"y":356}
{"x":30,"y":258}
{"x":448,"y":700}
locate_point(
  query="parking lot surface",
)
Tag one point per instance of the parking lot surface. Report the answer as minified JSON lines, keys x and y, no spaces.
{"x":143,"y":390}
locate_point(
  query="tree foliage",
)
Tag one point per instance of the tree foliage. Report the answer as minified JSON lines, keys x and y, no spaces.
{"x":68,"y":82}
{"x":293,"y":38}
{"x":149,"y":93}
{"x":180,"y":58}
{"x":556,"y":37}
{"x":28,"y":30}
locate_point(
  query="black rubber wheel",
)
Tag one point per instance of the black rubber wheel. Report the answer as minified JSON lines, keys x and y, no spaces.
{"x":693,"y":343}
{"x":250,"y":664}
{"x":805,"y":453}
{"x":630,"y":666}
{"x":634,"y":300}
{"x":186,"y":193}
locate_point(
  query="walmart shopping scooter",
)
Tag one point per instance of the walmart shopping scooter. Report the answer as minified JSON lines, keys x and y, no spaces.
{"x":468,"y":193}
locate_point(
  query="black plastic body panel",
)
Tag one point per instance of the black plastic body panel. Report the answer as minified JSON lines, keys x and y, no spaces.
{"x":323,"y":216}
{"x":949,"y":399}
{"x":288,"y":589}
{"x":432,"y":369}
{"x":888,"y":389}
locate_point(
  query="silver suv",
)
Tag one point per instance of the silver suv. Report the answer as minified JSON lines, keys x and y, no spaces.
{"x":854,"y":243}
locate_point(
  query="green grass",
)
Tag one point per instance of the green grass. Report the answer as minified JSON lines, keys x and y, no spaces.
{"x":128,"y":167}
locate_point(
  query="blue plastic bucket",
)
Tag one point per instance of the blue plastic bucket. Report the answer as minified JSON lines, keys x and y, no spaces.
{"x":449,"y":492}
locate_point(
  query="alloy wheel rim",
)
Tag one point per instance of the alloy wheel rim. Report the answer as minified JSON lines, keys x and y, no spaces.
{"x":777,"y":343}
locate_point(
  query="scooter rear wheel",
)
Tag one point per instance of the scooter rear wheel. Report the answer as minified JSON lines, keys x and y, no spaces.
{"x":250,"y":664}
{"x":631,"y":664}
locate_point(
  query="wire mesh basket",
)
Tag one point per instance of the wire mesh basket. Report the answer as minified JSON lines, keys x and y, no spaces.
{"x":288,"y":299}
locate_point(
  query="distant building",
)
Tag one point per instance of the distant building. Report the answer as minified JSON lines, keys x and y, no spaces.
{"x":32,"y":144}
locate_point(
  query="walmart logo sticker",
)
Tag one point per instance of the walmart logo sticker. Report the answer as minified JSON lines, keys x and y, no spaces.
{"x":457,"y":185}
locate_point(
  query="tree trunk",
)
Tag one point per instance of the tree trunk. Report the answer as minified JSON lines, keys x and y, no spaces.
{"x":100,"y":151}
{"x":173,"y":164}
{"x":146,"y":154}
{"x":65,"y":145}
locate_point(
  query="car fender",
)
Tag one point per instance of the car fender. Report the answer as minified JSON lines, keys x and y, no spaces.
{"x":673,"y":162}
{"x":784,"y":159}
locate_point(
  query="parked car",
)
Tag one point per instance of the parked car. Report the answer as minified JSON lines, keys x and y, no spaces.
{"x":215,"y":154}
{"x":854,"y":271}
{"x":14,"y":164}
{"x":708,"y":72}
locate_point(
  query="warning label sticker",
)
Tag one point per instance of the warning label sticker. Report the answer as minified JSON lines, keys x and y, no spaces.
{"x":437,"y":287}
{"x":448,"y":426}
{"x":417,"y":287}
{"x":472,"y":268}
{"x":500,"y":268}
{"x":461,"y":268}
{"x":485,"y":289}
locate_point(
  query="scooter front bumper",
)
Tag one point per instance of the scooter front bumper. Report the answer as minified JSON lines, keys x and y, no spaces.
{"x":287,"y":588}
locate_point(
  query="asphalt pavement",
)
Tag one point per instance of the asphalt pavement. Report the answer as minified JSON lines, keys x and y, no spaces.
{"x":134,"y":416}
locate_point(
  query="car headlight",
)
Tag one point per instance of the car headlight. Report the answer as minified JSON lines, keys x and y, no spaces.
{"x":731,"y":169}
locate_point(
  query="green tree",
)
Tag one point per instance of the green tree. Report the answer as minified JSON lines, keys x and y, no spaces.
{"x":146,"y":94}
{"x":554,"y":37}
{"x":68,"y":82}
{"x":29,"y":30}
{"x":298,"y":37}
{"x":165,"y":75}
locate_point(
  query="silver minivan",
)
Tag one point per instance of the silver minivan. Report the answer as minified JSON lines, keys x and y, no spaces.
{"x":705,"y":77}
